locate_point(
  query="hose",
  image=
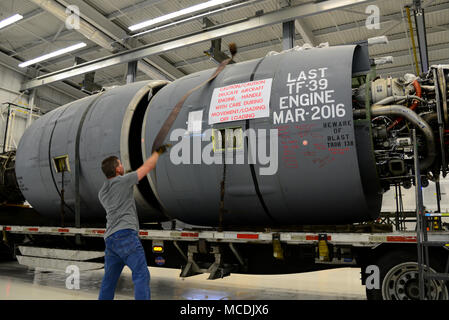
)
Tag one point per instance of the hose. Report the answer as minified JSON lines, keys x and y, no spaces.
{"x":427,"y":88}
{"x":415,"y":119}
{"x":412,"y":107}
{"x":418,"y":92}
{"x":395,"y":99}
{"x":428,"y":117}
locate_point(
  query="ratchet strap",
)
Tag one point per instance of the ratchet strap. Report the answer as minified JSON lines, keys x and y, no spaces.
{"x":163,"y":132}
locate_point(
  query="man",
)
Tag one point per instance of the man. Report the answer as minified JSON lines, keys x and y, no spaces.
{"x":123,"y":246}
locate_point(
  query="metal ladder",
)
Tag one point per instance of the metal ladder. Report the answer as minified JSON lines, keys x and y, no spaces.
{"x":422,"y":240}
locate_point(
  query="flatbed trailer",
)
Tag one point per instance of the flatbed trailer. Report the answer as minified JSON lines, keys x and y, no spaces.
{"x":387,"y":259}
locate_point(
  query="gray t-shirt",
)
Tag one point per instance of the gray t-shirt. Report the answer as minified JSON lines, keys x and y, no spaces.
{"x":116,"y":196}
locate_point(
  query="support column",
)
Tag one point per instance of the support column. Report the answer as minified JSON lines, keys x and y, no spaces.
{"x":31,"y":103}
{"x":214,"y":51}
{"x":420,"y":25}
{"x":131,"y":73}
{"x":288,"y":35}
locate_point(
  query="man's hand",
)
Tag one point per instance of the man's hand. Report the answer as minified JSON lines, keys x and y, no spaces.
{"x":163,"y":148}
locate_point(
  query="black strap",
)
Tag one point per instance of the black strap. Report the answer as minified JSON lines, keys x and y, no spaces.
{"x":163,"y":132}
{"x":253,"y":170}
{"x":77,"y":162}
{"x":49,"y":157}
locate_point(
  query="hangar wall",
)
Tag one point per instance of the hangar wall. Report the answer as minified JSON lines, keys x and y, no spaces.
{"x":46,"y":100}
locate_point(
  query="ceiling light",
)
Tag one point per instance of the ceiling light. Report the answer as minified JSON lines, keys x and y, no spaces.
{"x":179,"y":13}
{"x":52,"y":54}
{"x":205,"y":14}
{"x":10,"y":20}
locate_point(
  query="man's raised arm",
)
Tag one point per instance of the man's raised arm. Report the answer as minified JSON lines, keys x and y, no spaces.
{"x":150,"y":163}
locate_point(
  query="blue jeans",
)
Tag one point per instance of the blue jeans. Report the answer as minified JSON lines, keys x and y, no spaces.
{"x":124,"y":248}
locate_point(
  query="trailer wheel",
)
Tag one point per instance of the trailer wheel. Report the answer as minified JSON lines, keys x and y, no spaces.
{"x":399,"y":280}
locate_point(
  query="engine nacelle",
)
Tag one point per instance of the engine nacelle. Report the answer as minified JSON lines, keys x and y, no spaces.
{"x":293,"y":138}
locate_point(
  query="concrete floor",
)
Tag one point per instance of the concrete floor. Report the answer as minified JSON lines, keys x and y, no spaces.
{"x":19,"y":282}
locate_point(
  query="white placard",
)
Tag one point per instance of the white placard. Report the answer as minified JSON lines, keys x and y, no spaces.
{"x":241,"y":101}
{"x":194,"y":122}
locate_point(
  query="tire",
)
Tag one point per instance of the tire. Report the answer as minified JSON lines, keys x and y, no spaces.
{"x":398,"y":272}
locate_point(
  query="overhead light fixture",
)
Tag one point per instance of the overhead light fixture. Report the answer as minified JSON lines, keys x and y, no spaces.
{"x":10,"y":20}
{"x":179,"y":13}
{"x":52,"y":54}
{"x":205,"y":14}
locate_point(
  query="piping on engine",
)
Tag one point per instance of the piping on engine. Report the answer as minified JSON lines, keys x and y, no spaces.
{"x":396,"y":106}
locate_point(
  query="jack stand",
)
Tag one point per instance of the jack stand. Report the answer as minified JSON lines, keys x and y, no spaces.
{"x":78,"y":239}
{"x":278,"y":253}
{"x":191,"y":269}
{"x":216,"y":269}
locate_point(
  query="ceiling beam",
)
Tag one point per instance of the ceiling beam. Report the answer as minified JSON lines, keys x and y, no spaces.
{"x":118,"y":13}
{"x":63,"y":87}
{"x":115,"y":14}
{"x":111,"y":41}
{"x":268,"y":19}
{"x":275,"y":42}
{"x":305,"y":32}
{"x":345,"y":27}
{"x":385,"y":19}
{"x":269,"y":43}
{"x":133,"y":41}
{"x":99,"y":21}
{"x":84,"y":28}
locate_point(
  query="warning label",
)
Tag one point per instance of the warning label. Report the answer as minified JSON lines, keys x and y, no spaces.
{"x":240,"y":101}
